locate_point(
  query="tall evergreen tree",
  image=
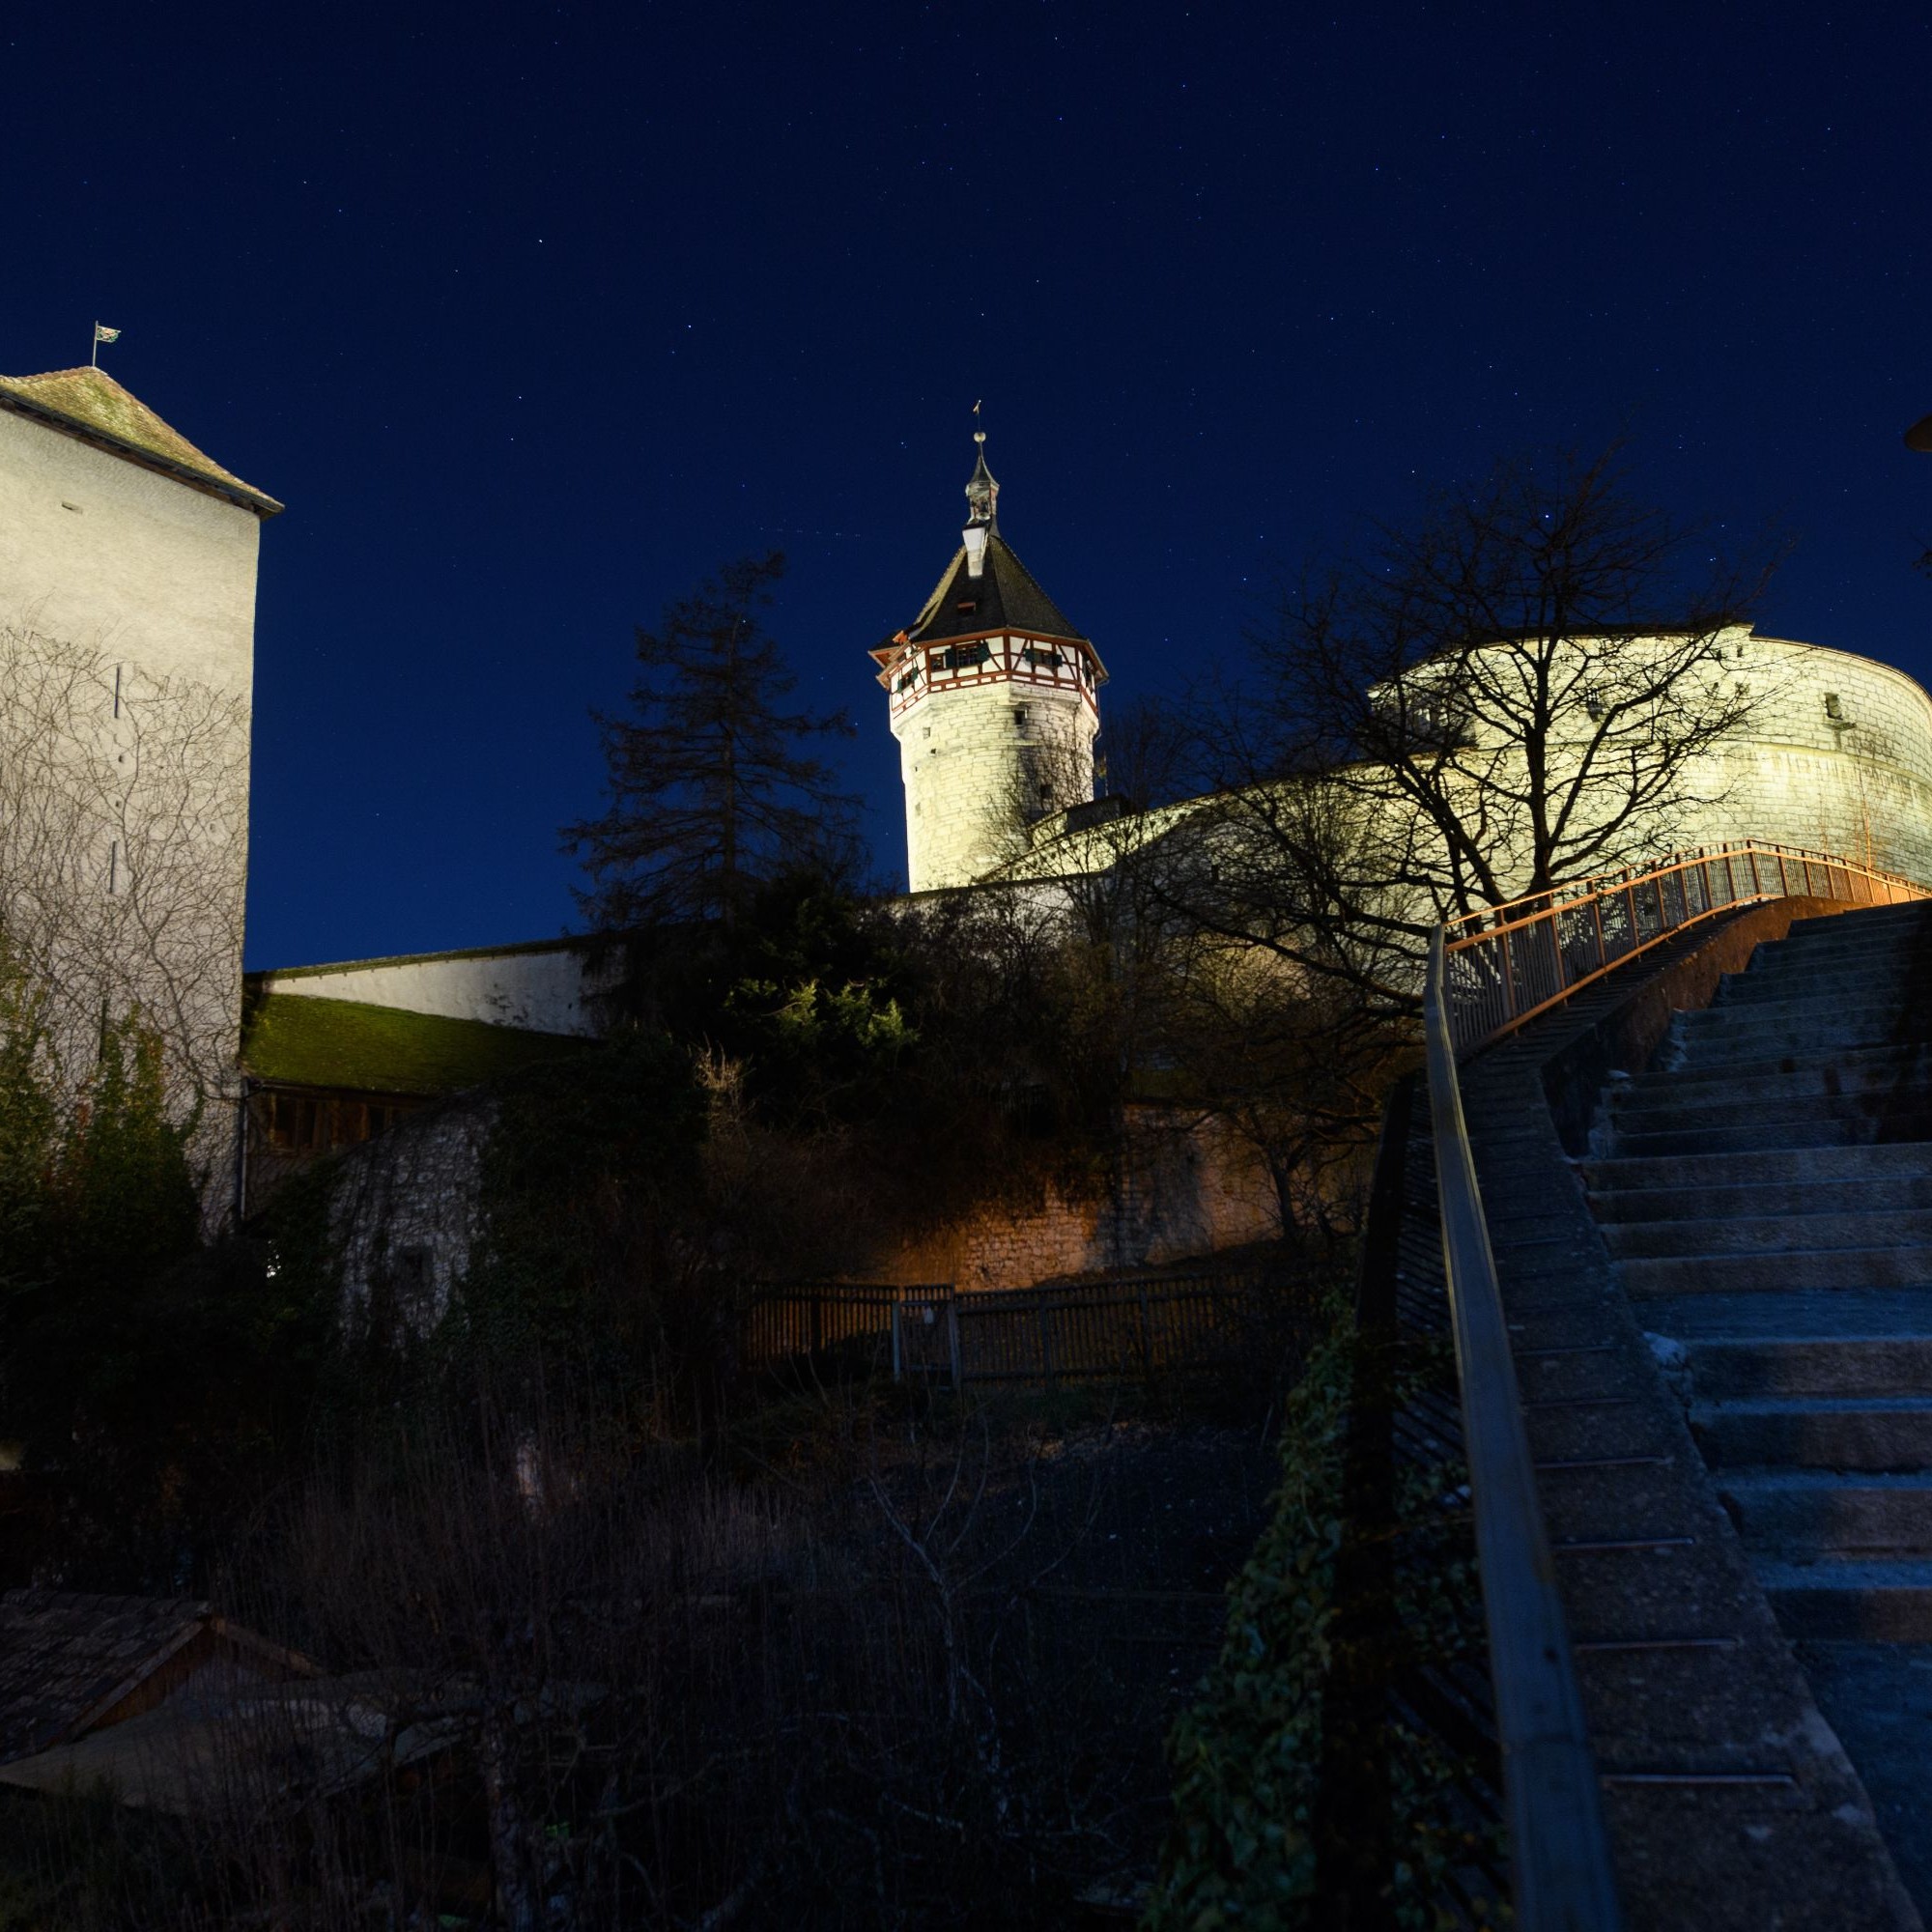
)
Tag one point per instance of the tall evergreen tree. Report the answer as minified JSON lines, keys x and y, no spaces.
{"x":711,"y":789}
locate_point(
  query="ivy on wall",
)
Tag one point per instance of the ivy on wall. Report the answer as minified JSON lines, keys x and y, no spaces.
{"x":1245,"y":1848}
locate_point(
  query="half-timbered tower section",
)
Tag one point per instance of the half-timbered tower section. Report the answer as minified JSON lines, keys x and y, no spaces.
{"x":994,"y":699}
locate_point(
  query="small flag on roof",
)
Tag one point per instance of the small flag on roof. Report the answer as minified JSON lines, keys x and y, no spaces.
{"x":103,"y":333}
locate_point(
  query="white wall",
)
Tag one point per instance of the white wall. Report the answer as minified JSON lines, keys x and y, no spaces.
{"x":546,"y":989}
{"x":157,"y":579}
{"x":140,"y":563}
{"x":965,"y":757}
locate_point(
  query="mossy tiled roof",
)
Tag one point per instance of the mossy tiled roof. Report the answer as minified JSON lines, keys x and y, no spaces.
{"x":93,"y":402}
{"x":291,"y":1040}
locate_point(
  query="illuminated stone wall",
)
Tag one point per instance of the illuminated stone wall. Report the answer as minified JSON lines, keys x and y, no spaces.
{"x":126,"y":643}
{"x":1858,"y":781}
{"x":96,"y":550}
{"x":970,"y":757}
{"x":1180,"y":1187}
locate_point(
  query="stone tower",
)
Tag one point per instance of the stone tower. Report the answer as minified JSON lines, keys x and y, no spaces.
{"x":127,"y":673}
{"x":994,"y":699}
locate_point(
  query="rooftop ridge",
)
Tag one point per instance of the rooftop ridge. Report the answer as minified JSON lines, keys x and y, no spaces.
{"x":89,"y":401}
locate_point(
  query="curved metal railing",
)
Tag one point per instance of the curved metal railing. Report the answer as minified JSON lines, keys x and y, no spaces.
{"x":1487,"y":975}
{"x":1508,"y":963}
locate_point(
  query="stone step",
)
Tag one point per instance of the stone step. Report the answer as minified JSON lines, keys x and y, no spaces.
{"x":1746,"y":1198}
{"x":1902,"y":912}
{"x":1816,"y":1431}
{"x":1849,"y":941}
{"x":1873,"y":1162}
{"x":1819,"y":1511}
{"x":1712,"y":1106}
{"x":1741,"y":1274}
{"x":1763,"y":1235}
{"x":1879,"y":1602}
{"x":1824,"y":1039}
{"x":1867,"y":1069}
{"x":1814,"y":1315}
{"x":1763,"y":1368}
{"x":1774,"y":1136}
{"x":1885,"y":976}
{"x":1790,"y":1023}
{"x":1899,"y":912}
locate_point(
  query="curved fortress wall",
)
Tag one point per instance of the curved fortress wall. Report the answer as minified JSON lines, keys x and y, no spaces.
{"x":1838,"y":757}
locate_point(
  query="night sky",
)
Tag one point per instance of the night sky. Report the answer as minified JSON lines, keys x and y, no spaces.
{"x":533,"y":316}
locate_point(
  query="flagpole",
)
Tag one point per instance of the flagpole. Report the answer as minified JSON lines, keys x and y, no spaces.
{"x":94,"y":360}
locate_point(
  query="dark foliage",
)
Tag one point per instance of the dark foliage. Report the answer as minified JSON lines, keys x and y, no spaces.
{"x":710,"y":788}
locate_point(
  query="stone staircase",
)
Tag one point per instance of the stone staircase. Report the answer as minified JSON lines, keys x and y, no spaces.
{"x":1766,"y":1194}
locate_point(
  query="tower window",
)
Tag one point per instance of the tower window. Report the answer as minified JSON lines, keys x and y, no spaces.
{"x":1833,"y":707}
{"x":1019,"y":717}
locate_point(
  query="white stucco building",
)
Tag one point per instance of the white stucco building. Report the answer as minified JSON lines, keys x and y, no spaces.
{"x":128,"y":564}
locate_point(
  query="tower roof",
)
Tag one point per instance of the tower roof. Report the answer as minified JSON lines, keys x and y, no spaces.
{"x":90,"y":403}
{"x":1003,"y":597}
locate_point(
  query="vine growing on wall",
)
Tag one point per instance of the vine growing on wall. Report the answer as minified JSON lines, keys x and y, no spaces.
{"x":1246,"y":1846}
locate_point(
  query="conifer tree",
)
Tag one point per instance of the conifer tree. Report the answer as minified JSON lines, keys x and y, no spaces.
{"x":711,"y":789}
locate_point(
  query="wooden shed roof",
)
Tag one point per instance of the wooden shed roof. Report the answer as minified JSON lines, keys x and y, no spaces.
{"x":68,"y":1658}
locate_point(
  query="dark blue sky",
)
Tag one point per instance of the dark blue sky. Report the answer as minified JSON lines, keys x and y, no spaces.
{"x":534,"y":315}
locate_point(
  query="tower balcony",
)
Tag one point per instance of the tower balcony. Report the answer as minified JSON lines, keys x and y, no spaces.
{"x":1043,"y":664}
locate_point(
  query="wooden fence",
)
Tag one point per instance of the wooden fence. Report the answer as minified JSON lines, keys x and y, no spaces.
{"x":1131,"y":1327}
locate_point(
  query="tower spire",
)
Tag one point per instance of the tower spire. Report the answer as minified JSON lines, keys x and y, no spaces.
{"x":982,"y":492}
{"x":983,"y":504}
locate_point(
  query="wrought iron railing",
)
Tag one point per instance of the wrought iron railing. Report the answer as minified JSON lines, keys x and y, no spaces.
{"x":1149,"y":1325}
{"x":1507,"y":963}
{"x":1489,"y":972}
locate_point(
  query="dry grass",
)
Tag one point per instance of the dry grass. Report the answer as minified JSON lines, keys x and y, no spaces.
{"x":904,"y":1664}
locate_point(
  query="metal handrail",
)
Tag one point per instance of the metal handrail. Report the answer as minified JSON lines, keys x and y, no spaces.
{"x":1527,"y":905}
{"x":1508,"y":963}
{"x":1559,"y":1854}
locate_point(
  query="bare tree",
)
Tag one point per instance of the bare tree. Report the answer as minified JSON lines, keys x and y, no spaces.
{"x":124,"y":825}
{"x":1532,"y":685}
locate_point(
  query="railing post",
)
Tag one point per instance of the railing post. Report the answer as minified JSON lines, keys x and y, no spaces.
{"x":1783,"y":881}
{"x":1597,"y":920}
{"x":1509,"y":976}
